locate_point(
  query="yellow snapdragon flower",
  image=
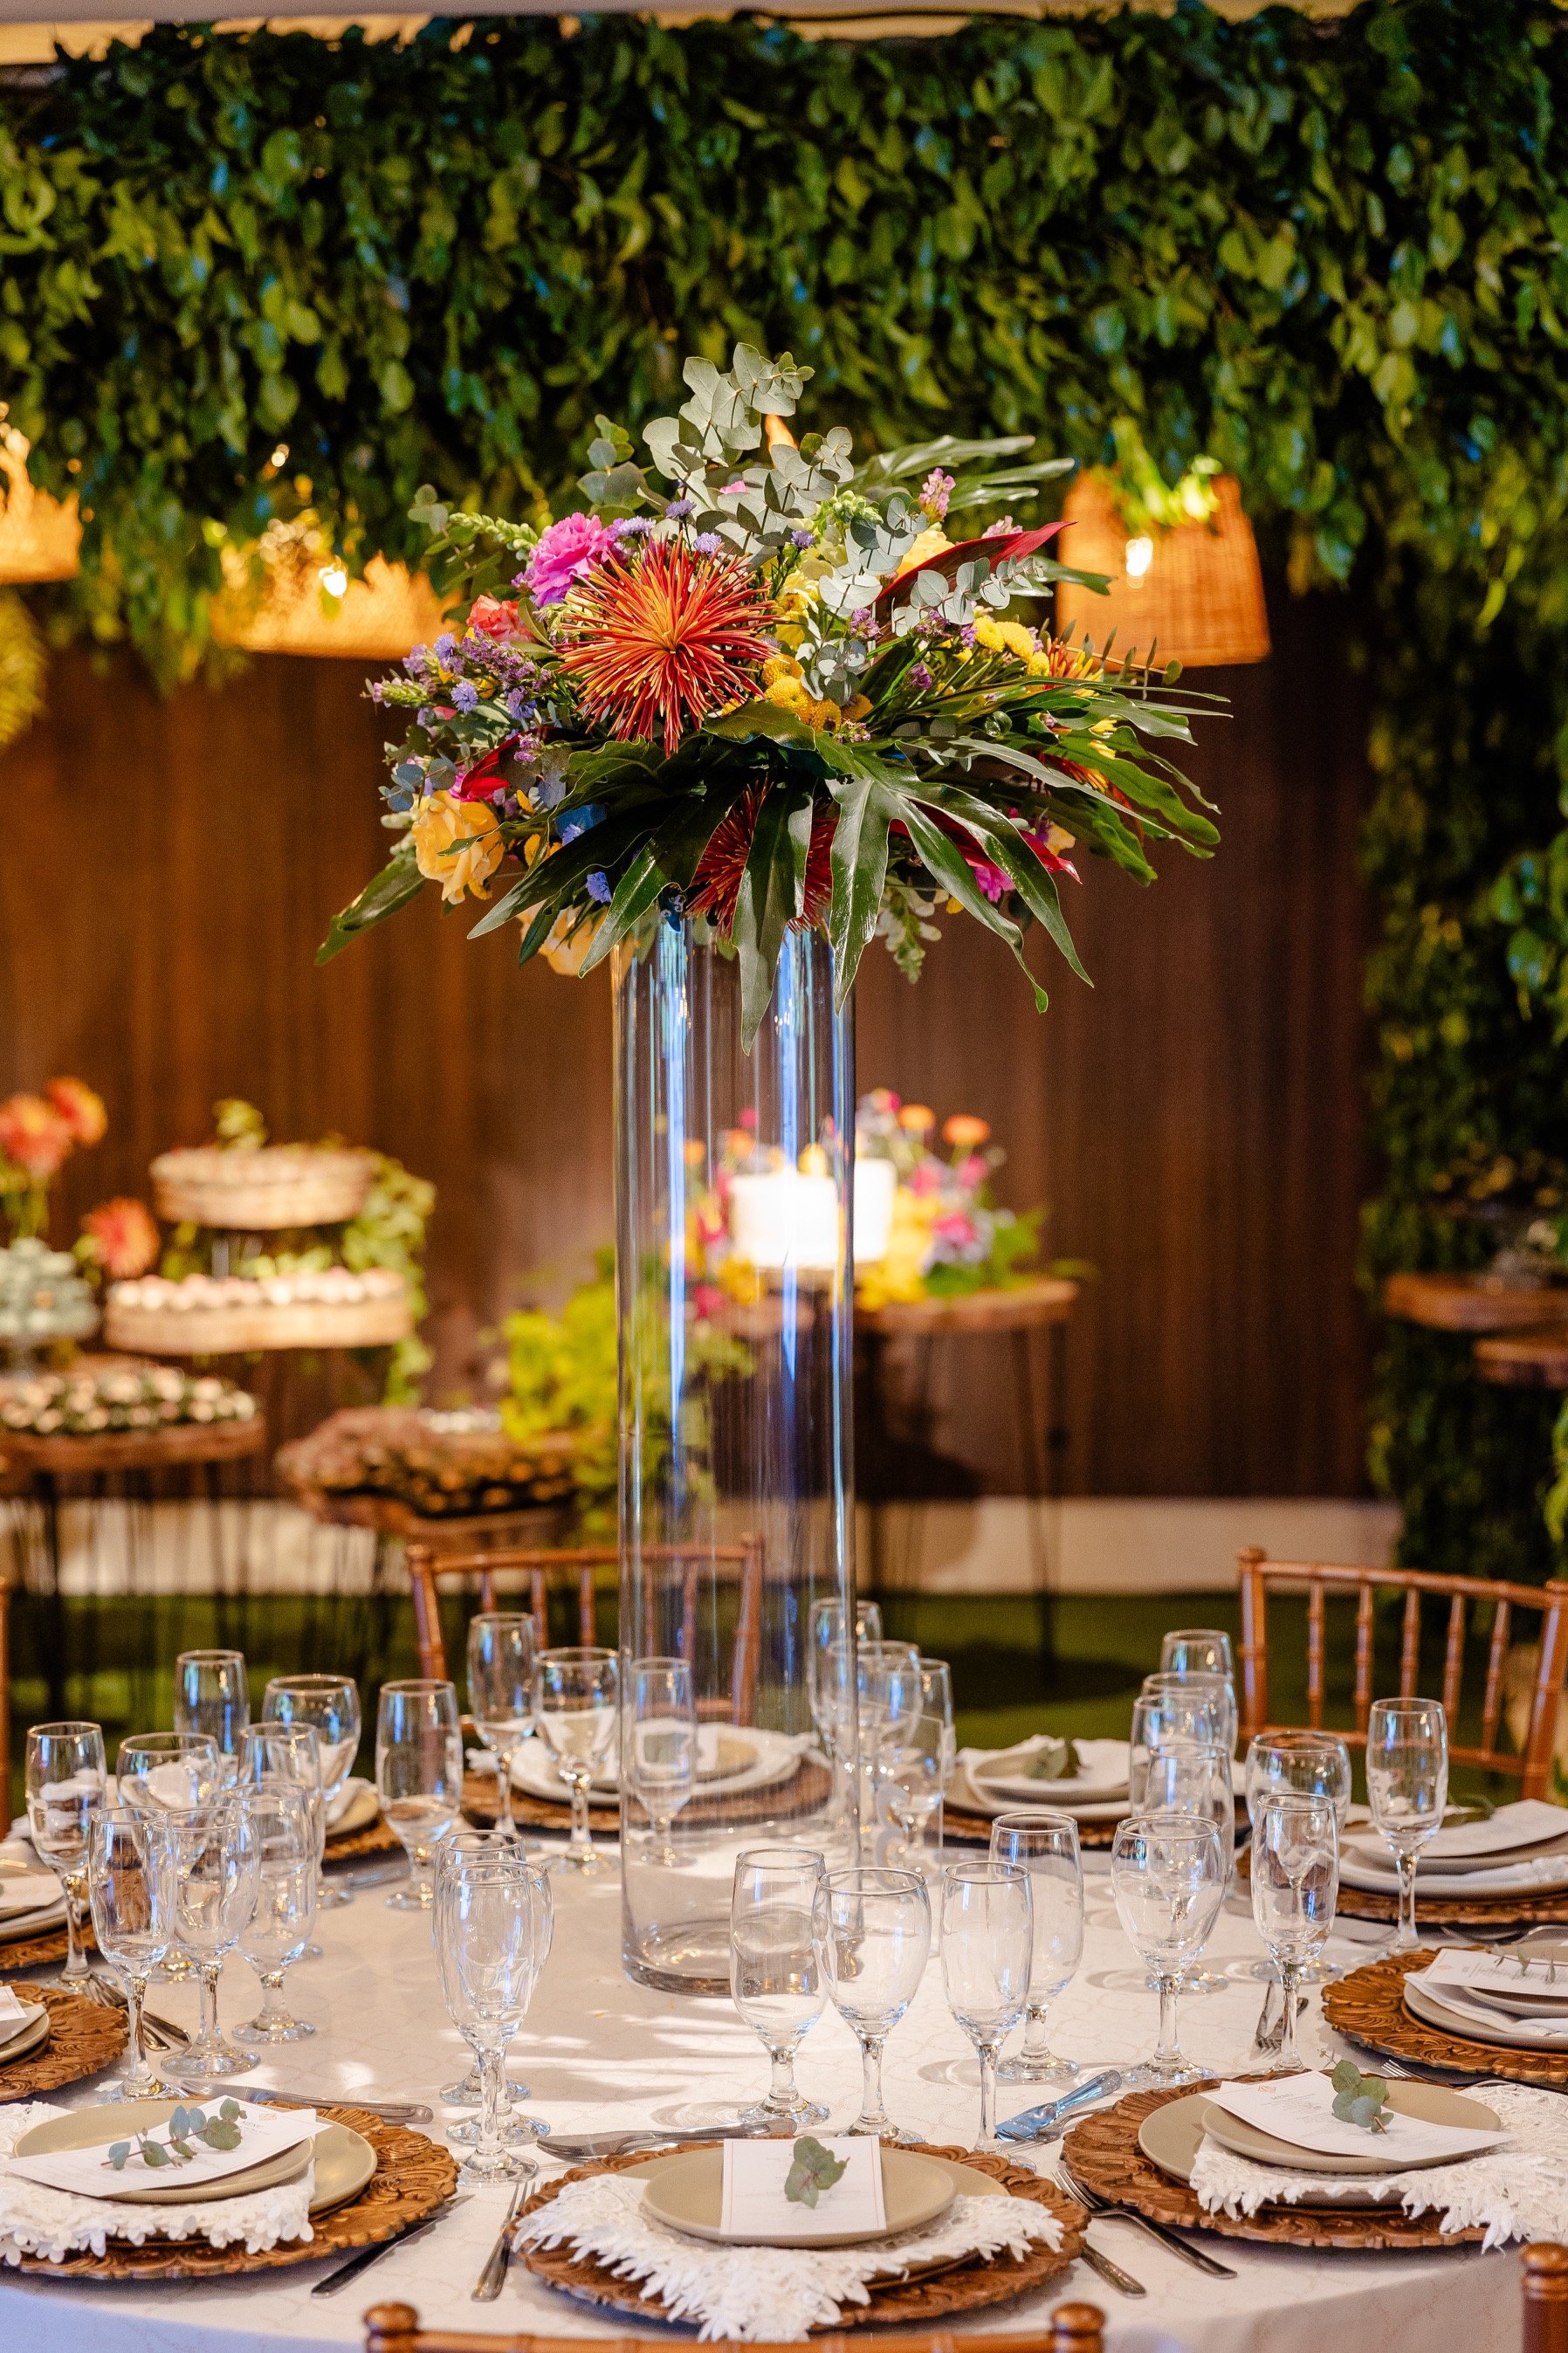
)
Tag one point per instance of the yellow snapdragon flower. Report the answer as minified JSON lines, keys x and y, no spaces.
{"x":457,"y":844}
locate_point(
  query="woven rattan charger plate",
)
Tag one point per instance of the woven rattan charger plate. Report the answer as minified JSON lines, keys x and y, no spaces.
{"x":1368,"y":2006}
{"x":44,"y":1950}
{"x":806,"y":1792}
{"x":84,"y":2038}
{"x":967,"y":1828}
{"x":968,"y":2287}
{"x":412,"y":2178}
{"x":1546,"y":1910}
{"x":1102,"y":2152}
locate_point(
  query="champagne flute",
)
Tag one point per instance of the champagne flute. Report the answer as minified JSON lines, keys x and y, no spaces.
{"x":279,"y":1929}
{"x":775,"y":1968}
{"x":1295,"y":1885}
{"x":1167,"y":1874}
{"x":275,"y":1755}
{"x":987,"y":1946}
{"x":212,"y":1694}
{"x":1043,"y":1842}
{"x":330,"y":1703}
{"x":875,"y":1929}
{"x":65,"y":1781}
{"x":501,"y":1678}
{"x":129,"y":1888}
{"x":1312,"y":1765}
{"x":469,"y":2090}
{"x":919,"y":1764}
{"x":661,"y":1746}
{"x":1196,"y":1777}
{"x":1188,"y":1708}
{"x":1197,"y":1651}
{"x":215,"y":1857}
{"x":418,"y":1775}
{"x":888,"y":1698}
{"x":1407,"y":1789}
{"x":492,"y":1921}
{"x":575,"y":1693}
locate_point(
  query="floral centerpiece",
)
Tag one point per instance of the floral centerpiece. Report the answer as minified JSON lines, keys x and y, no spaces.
{"x":764,"y":686}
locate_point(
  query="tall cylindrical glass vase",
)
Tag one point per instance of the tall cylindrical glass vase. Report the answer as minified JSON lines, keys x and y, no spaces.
{"x":733,"y":1176}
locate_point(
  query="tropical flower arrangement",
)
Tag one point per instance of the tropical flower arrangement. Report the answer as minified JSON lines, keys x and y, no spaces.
{"x":945,"y":1236}
{"x":38,"y":1133}
{"x":762,"y":686}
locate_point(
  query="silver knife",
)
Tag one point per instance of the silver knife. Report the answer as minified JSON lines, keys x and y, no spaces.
{"x":1111,"y":2273}
{"x":363,"y":2260}
{"x":1035,"y":2122}
{"x":391,"y":2112}
{"x":583,"y":2149}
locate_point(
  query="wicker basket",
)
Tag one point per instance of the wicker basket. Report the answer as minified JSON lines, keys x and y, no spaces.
{"x":283,"y":1186}
{"x":239,"y":1331}
{"x":1200,"y":600}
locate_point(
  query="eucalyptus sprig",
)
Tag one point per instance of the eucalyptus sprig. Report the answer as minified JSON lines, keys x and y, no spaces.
{"x":1359,"y":2099}
{"x":186,"y":2127}
{"x":815,"y":2171}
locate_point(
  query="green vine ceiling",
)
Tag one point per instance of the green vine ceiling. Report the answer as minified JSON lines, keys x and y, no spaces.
{"x":1334,"y":258}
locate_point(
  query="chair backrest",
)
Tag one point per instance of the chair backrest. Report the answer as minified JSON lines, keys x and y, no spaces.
{"x":1544,"y":2276}
{"x":5,"y":1706}
{"x":1261,"y":1577}
{"x":685,"y":1564}
{"x":395,"y":2328}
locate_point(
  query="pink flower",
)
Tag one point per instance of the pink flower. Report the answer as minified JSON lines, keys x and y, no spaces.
{"x":935,"y":492}
{"x":973,"y":1170}
{"x":496,"y":617}
{"x":1052,"y":860}
{"x":991,"y":879}
{"x":954,"y":1227}
{"x":924,"y":1177}
{"x":564,"y":553}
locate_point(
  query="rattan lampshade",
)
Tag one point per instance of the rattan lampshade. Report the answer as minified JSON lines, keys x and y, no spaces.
{"x":40,"y":537}
{"x":309,"y":605}
{"x":1198,"y":599}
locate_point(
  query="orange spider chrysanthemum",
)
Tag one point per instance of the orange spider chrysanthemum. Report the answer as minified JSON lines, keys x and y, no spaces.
{"x":663,"y":640}
{"x":716,"y":885}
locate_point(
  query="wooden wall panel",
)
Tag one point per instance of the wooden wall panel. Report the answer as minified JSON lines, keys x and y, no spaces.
{"x":168,"y":868}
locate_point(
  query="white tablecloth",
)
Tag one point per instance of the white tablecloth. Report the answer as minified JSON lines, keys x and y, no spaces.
{"x":599,"y":2051}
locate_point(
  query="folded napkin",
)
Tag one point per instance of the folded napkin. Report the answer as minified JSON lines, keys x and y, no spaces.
{"x":13,"y":2015}
{"x":28,"y":1890}
{"x":38,"y":2219}
{"x":1301,"y":2109}
{"x":1542,"y":2031}
{"x":1543,"y":1983}
{"x":1510,"y":1830}
{"x":1517,"y":2191}
{"x":768,"y":2292}
{"x":350,"y":1793}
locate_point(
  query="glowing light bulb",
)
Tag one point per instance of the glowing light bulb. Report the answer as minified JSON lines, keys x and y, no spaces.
{"x":279,"y":457}
{"x":1138,"y":555}
{"x":334,"y":579}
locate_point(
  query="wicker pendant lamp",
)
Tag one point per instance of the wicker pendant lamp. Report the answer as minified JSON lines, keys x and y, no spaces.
{"x":40,"y":537}
{"x":1194,"y":592}
{"x":306,"y":603}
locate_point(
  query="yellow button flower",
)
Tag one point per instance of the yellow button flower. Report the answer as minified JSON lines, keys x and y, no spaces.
{"x":1016,"y":638}
{"x":988,"y":633}
{"x":457,"y":844}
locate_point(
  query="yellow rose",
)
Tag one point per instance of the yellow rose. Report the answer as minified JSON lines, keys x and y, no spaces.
{"x":457,"y":844}
{"x":930,"y":543}
{"x":569,"y":943}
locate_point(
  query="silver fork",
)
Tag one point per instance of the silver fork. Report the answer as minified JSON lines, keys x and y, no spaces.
{"x":109,"y":1994}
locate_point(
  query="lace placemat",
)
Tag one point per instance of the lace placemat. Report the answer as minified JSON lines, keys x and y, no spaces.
{"x":53,"y":2223}
{"x":774,"y":2293}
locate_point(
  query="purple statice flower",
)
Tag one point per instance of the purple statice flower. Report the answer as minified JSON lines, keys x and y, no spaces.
{"x":465,"y":695}
{"x":426,"y":716}
{"x":520,"y":705}
{"x":599,"y":887}
{"x":446,"y":646}
{"x":631,"y":527}
{"x":919,"y":677}
{"x":935,"y":492}
{"x":708,"y":542}
{"x":966,"y":634}
{"x":1003,"y":528}
{"x":799,"y":538}
{"x":377,"y":691}
{"x":678,"y":509}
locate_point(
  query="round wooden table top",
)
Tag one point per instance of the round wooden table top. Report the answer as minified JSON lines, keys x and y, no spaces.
{"x":1473,"y":1303}
{"x":133,"y":1450}
{"x":1527,"y":1361}
{"x":1022,"y":1307}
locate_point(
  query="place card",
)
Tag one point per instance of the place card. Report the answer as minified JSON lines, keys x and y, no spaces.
{"x":13,"y":2015}
{"x":1512,"y":1829}
{"x":1299,"y":2109}
{"x":755,"y":2206}
{"x":1512,"y":1973}
{"x":86,"y":2173}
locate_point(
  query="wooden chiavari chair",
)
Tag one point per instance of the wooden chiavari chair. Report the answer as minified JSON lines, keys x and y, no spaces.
{"x":687,"y":1564}
{"x":1071,"y":2328}
{"x":4,"y":1706}
{"x":1544,"y":2276}
{"x":1532,"y":1766}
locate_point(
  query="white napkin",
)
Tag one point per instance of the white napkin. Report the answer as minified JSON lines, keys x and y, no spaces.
{"x":1541,"y":2033}
{"x":754,"y":2205}
{"x":1299,"y":2109}
{"x":769,"y":2293}
{"x":39,"y":2220}
{"x":26,"y":1891}
{"x":86,"y":2172}
{"x":347,"y":1796}
{"x":1512,"y":1830}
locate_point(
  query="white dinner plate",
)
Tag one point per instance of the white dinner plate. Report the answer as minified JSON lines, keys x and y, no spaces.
{"x":1476,"y":2025}
{"x":23,"y":1925}
{"x":1545,"y":1876}
{"x":687,"y":2193}
{"x":769,"y":1758}
{"x":26,"y":2037}
{"x":1431,"y":2103}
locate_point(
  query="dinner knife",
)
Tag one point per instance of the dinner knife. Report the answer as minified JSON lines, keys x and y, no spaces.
{"x":1111,"y":2273}
{"x":1109,"y":2211}
{"x":1034,"y":2123}
{"x":583,"y":2149}
{"x":391,"y":2112}
{"x":363,"y":2260}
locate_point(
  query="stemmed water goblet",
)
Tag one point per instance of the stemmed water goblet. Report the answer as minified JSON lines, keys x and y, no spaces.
{"x":129,"y":1888}
{"x":874,"y":1930}
{"x":278,"y":1930}
{"x":493,"y":1917}
{"x":1315,"y":1766}
{"x":215,"y":1856}
{"x":501,"y":1679}
{"x":575,"y":1696}
{"x":65,"y":1782}
{"x":776,"y":1968}
{"x":212,"y":1694}
{"x":660,"y":1756}
{"x":1199,"y":1708}
{"x":1197,"y":1651}
{"x":987,"y":1946}
{"x":1167,"y":1874}
{"x":1043,"y":1842}
{"x":330,"y":1704}
{"x":1295,"y":1885}
{"x":418,"y":1775}
{"x":279,"y":1755}
{"x":1407,"y":1789}
{"x":920,"y":1762}
{"x":176,"y":1776}
{"x":1195,"y":1777}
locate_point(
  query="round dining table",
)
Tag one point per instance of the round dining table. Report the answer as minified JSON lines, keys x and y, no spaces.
{"x":599,"y":2052}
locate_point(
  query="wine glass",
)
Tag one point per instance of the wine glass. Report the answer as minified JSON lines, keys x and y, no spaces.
{"x":1295,"y":1885}
{"x":179,"y":1774}
{"x":775,"y":1968}
{"x":469,"y":2090}
{"x":575,"y":1691}
{"x":493,"y":1918}
{"x":279,"y":1929}
{"x":1167,"y":1874}
{"x":1197,"y":1650}
{"x":875,"y":1932}
{"x":330,"y":1704}
{"x":216,"y":1856}
{"x":501,"y":1676}
{"x":887,"y":1698}
{"x":1187,"y":1708}
{"x":919,"y":1764}
{"x":65,"y":1780}
{"x":418,"y":1775}
{"x":128,"y":1877}
{"x":1195,"y":1777}
{"x":987,"y":1946}
{"x":275,"y":1755}
{"x":1315,"y":1765}
{"x":661,"y":1746}
{"x":1407,"y":1789}
{"x":1043,"y":1842}
{"x":212,"y":1694}
{"x":833,"y":1631}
